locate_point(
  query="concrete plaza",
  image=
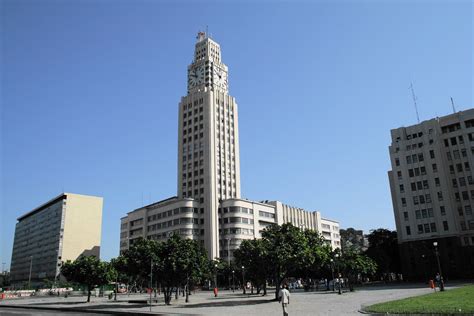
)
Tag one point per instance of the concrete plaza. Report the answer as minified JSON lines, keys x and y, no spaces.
{"x":228,"y":303}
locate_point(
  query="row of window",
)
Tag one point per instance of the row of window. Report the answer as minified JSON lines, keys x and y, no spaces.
{"x":237,"y":231}
{"x":174,"y":222}
{"x":190,"y":129}
{"x":235,"y":220}
{"x":468,"y":226}
{"x":179,"y":210}
{"x":235,"y":209}
{"x":195,"y":102}
{"x":456,"y":126}
{"x":190,"y":121}
{"x":456,"y":154}
{"x":190,"y":113}
{"x":454,"y":140}
{"x":462,"y":181}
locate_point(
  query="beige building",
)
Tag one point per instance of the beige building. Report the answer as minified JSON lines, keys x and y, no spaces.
{"x":432,"y":188}
{"x":209,"y":206}
{"x":59,"y":230}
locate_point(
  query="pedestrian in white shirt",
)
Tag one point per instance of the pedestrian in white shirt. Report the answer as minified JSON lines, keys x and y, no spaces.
{"x":284,"y":298}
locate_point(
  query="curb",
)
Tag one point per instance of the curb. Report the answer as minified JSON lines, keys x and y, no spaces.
{"x":88,"y":311}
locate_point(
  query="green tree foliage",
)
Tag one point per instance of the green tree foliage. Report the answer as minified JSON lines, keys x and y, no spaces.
{"x":287,"y":247}
{"x":354,"y":265}
{"x":180,"y":262}
{"x":353,"y":240}
{"x":88,"y":271}
{"x":134,"y":264}
{"x":383,"y":249}
{"x":318,"y":254}
{"x":176,"y":263}
{"x":253,"y":255}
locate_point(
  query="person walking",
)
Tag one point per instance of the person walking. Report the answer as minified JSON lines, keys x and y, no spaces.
{"x":284,"y":299}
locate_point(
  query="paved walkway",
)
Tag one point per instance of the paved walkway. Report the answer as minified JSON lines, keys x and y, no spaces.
{"x":228,"y":303}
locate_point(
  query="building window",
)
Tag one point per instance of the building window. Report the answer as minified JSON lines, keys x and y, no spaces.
{"x":397,"y":162}
{"x":442,"y":210}
{"x":432,"y":154}
{"x":437,"y":183}
{"x":420,"y":229}
{"x":445,"y":226}
{"x":399,"y":175}
{"x":402,"y":189}
{"x":440,"y":196}
{"x":468,"y":210}
{"x":408,"y":230}
{"x":405,"y":216}
{"x":435,"y":167}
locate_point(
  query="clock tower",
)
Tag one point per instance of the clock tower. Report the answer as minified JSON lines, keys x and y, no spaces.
{"x":208,"y":141}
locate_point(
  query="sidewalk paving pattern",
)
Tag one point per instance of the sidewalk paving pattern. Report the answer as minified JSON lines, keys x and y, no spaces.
{"x":228,"y":303}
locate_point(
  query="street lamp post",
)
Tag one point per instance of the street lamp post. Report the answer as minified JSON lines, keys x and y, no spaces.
{"x":233,"y":281}
{"x":338,"y":275}
{"x":228,"y":255}
{"x":332,"y":272}
{"x":151,"y":279}
{"x":441,"y":282}
{"x":243,"y":278}
{"x":215,"y":282}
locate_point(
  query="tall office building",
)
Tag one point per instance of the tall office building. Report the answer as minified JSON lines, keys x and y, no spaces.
{"x":208,"y":206}
{"x":432,"y":189}
{"x":61,"y":229}
{"x":208,"y":141}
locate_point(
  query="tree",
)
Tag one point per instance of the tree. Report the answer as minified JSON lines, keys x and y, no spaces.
{"x":354,"y":240}
{"x":180,"y":262}
{"x":317,"y":255}
{"x":253,"y":255}
{"x":383,"y":249}
{"x":134,"y":264}
{"x":287,"y":247}
{"x":88,"y":271}
{"x":354,"y":264}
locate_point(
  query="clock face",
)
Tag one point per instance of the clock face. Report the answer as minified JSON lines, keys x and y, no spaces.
{"x":220,"y":78}
{"x":196,"y":76}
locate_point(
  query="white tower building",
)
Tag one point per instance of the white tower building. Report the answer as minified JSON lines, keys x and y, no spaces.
{"x":209,"y":207}
{"x":208,"y":157}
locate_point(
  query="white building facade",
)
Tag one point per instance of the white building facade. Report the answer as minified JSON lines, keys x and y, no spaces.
{"x":208,"y":206}
{"x":432,"y":189}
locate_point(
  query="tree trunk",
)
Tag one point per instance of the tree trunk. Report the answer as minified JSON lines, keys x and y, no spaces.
{"x":89,"y":294}
{"x":167,"y":291}
{"x":277,"y":288}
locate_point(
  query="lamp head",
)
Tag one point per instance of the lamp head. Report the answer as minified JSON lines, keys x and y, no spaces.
{"x":435,"y":243}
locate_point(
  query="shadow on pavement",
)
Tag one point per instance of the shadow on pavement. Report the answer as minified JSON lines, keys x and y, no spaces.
{"x":228,"y":303}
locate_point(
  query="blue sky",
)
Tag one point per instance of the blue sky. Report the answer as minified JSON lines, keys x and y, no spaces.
{"x":90,"y":91}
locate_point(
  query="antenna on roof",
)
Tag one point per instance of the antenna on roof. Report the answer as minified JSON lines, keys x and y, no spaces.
{"x":414,"y":101}
{"x":207,"y":31}
{"x":452,"y":103}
